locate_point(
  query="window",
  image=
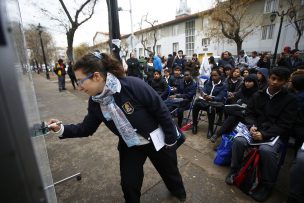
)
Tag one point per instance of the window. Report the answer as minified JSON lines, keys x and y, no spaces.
{"x":158,"y":49}
{"x":270,"y":6}
{"x":175,"y":47}
{"x":267,"y":31}
{"x":141,"y":51}
{"x":190,"y":29}
{"x":302,"y":2}
{"x":205,"y":41}
{"x":158,"y":34}
{"x":174,"y":30}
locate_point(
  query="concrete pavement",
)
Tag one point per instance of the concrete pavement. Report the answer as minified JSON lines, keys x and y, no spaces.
{"x":96,"y":157}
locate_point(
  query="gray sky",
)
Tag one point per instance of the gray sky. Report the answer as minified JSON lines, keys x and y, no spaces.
{"x":161,"y":10}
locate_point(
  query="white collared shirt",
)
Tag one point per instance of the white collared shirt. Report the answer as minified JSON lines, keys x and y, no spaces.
{"x":271,"y":95}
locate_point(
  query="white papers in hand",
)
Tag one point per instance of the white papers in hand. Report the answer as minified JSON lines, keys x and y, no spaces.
{"x":158,"y":138}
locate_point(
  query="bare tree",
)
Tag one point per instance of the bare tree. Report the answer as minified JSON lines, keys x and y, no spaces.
{"x":295,"y":13}
{"x":82,"y":15}
{"x":33,"y":44}
{"x":232,"y":21}
{"x":148,"y":35}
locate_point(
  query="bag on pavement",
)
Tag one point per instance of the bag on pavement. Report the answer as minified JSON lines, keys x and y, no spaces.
{"x":249,"y":176}
{"x":224,"y":154}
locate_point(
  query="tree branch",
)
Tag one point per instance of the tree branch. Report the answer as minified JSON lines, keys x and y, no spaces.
{"x":66,"y":11}
{"x":90,"y":15}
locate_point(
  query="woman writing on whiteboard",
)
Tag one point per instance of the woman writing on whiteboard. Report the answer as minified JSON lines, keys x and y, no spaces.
{"x":131,"y":109}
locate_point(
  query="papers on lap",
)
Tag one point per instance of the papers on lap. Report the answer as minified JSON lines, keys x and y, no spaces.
{"x":242,"y":131}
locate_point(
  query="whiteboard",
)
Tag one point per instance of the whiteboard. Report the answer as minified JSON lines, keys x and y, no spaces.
{"x":20,"y":113}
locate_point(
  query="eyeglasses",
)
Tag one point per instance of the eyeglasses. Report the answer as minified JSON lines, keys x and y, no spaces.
{"x":80,"y":82}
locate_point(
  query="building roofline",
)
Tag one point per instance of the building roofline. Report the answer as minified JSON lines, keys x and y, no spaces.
{"x":175,"y":21}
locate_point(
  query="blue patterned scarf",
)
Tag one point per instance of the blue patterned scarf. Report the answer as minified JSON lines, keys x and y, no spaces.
{"x":111,"y":111}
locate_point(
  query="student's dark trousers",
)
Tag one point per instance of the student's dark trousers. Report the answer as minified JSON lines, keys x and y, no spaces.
{"x":270,"y":156}
{"x":131,"y":169}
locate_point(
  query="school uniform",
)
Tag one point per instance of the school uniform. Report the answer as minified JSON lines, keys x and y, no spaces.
{"x":273,"y":116}
{"x":145,"y":111}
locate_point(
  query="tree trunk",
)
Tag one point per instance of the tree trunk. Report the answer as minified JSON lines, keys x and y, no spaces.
{"x":70,"y":38}
{"x":239,"y":44}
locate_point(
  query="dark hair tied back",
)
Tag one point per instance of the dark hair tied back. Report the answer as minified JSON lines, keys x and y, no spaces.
{"x":99,"y":62}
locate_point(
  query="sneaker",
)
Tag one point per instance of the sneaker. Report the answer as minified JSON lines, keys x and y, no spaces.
{"x":230,"y":177}
{"x":262,"y":193}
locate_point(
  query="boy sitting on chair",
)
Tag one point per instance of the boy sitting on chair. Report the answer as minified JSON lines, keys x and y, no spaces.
{"x":271,"y":113}
{"x":182,"y":96}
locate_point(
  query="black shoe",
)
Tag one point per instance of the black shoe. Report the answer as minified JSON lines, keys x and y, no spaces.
{"x":219,"y":122}
{"x":194,"y":129}
{"x":262,"y":193}
{"x":213,"y":138}
{"x":181,"y":197}
{"x":230,"y":177}
{"x":209,"y":134}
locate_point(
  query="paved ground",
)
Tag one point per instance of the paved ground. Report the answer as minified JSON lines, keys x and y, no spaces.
{"x":96,"y":158}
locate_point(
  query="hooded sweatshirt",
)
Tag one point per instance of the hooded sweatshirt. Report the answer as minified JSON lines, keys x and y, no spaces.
{"x":263,"y":83}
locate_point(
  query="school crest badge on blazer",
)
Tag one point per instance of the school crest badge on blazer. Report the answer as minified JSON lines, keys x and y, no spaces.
{"x":128,"y":108}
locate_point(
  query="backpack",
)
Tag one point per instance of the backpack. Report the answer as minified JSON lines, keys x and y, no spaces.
{"x":249,"y":176}
{"x":246,"y":59}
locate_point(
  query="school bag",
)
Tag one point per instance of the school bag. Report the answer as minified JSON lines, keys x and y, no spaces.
{"x":224,"y":151}
{"x":249,"y":176}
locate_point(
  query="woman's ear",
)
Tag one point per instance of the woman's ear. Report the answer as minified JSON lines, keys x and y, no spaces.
{"x":99,"y":76}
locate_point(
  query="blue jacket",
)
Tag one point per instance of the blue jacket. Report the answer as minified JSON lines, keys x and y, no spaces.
{"x":219,"y":91}
{"x":157,"y":63}
{"x":186,"y":90}
{"x":148,"y":112}
{"x":180,"y":62}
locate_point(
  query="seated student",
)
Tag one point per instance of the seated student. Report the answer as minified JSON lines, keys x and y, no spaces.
{"x":160,"y":85}
{"x":214,"y":91}
{"x":245,"y":72}
{"x":262,"y":74}
{"x":168,"y":78}
{"x":183,"y":95}
{"x":177,"y":77}
{"x":236,"y":115}
{"x":296,"y":192}
{"x":270,"y":113}
{"x":234,"y":83}
{"x":227,"y":71}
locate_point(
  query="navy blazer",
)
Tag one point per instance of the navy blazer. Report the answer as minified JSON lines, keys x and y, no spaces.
{"x":219,"y":91}
{"x":142,"y":106}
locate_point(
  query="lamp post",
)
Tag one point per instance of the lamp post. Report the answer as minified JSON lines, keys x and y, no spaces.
{"x":114,"y":28}
{"x":273,"y":16}
{"x":131,"y":19}
{"x":39,"y":28}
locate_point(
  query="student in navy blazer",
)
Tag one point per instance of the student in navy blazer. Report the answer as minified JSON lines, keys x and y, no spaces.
{"x":131,"y":109}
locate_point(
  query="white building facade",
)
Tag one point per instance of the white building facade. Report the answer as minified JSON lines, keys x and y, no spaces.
{"x":189,"y":33}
